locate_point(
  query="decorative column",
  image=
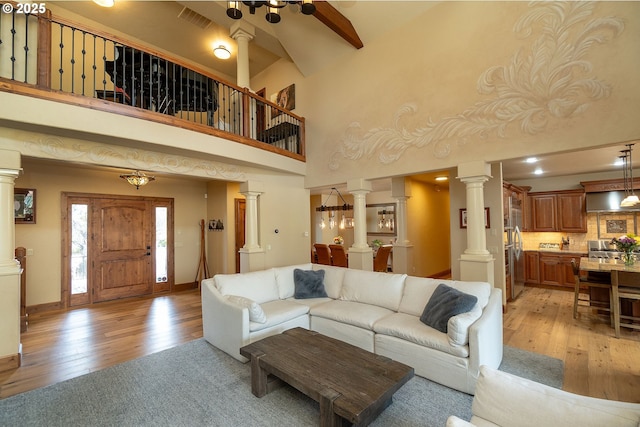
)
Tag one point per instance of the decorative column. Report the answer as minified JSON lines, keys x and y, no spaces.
{"x":244,"y":107}
{"x":403,"y":249}
{"x":476,"y":263}
{"x":10,"y":349}
{"x":360,"y":254}
{"x":243,"y":32}
{"x":251,"y":254}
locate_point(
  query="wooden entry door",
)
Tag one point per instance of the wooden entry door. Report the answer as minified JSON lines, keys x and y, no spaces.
{"x":121,"y":249}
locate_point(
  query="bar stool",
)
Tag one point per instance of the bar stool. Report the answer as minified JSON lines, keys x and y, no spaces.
{"x":625,"y":284}
{"x":590,"y":282}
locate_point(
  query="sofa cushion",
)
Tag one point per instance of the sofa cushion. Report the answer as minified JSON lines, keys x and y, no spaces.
{"x":333,"y":277}
{"x":308,"y":284}
{"x":352,"y":313}
{"x":367,"y":287}
{"x":445,"y":303}
{"x":277,"y":312}
{"x":256,"y":314}
{"x":418,"y":291}
{"x":284,"y":279}
{"x":458,"y":326}
{"x":409,"y":328}
{"x":259,"y":286}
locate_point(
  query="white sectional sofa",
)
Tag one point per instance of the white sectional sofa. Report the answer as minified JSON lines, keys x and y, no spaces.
{"x":506,"y":400}
{"x":379,"y":312}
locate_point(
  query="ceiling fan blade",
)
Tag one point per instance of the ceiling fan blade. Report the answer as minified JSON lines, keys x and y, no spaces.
{"x":333,"y":19}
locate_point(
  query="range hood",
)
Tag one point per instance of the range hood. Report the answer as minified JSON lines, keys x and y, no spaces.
{"x":608,"y":202}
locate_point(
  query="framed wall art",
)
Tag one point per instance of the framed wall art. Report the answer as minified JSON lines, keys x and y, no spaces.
{"x":285,"y":98}
{"x":24,"y":205}
{"x":463,"y":218}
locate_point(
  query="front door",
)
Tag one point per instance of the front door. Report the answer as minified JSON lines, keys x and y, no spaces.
{"x":121,"y":249}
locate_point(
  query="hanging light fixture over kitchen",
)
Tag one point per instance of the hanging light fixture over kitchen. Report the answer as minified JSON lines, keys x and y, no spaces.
{"x":630,"y":197}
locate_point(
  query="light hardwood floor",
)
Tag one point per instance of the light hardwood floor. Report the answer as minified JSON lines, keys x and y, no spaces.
{"x":66,"y":344}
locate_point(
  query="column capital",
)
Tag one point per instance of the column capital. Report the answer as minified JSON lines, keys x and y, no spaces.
{"x":474,"y":171}
{"x":358,"y":185}
{"x":242,"y":29}
{"x":249,"y":187}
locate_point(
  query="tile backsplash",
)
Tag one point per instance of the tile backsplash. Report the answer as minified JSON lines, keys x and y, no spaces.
{"x":600,"y":226}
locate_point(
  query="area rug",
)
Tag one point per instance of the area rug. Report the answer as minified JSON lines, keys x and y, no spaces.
{"x":196,"y":384}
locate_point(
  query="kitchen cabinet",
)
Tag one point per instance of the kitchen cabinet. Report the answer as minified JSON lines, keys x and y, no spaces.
{"x":563,"y":211}
{"x":532,"y":267}
{"x":554,"y":268}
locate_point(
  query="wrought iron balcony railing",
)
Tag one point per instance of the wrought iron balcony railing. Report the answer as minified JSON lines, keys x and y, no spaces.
{"x":52,"y":58}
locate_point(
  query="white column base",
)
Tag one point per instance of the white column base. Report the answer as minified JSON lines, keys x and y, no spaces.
{"x":477,"y":268}
{"x":251,"y":260}
{"x":10,"y":309}
{"x":403,"y":259}
{"x":361,"y":258}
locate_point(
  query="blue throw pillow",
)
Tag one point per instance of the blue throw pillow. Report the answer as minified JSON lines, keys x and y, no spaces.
{"x":445,"y":303}
{"x":308,"y":284}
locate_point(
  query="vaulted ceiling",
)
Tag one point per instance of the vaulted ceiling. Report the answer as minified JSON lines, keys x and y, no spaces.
{"x":191,"y":29}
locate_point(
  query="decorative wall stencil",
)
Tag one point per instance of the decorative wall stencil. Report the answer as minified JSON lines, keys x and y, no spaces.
{"x":550,"y":79}
{"x":124,"y":157}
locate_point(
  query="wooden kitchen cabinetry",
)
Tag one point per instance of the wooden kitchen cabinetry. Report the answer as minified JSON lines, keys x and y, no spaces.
{"x":532,"y":267}
{"x":563,"y":211}
{"x":555,"y":268}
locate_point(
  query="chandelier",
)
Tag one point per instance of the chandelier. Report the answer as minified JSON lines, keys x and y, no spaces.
{"x":272,"y":6}
{"x":630,"y":197}
{"x":344,"y":222}
{"x":138,"y":179}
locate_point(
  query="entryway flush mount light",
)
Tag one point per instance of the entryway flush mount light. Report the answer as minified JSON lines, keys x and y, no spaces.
{"x":105,"y":3}
{"x":222,"y":52}
{"x":272,"y":6}
{"x":138,"y":179}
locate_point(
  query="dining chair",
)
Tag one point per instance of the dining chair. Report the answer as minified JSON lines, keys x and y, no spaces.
{"x":338,"y":256}
{"x":625,"y":285}
{"x":322,"y":251}
{"x":602,"y":282}
{"x":381,"y":260}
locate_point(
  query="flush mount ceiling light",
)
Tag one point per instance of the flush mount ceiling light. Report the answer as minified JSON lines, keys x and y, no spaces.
{"x":104,"y":3}
{"x":272,"y":6}
{"x":222,"y":52}
{"x":138,"y":179}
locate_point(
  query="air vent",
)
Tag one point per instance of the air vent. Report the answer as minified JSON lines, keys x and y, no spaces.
{"x":194,"y":17}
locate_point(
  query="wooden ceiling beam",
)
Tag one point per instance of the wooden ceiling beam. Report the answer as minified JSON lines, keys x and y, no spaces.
{"x":333,"y":19}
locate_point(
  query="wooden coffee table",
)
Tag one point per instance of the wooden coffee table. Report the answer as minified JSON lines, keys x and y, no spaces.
{"x":352,"y":385}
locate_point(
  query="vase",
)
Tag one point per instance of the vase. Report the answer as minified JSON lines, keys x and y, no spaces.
{"x":628,"y":258}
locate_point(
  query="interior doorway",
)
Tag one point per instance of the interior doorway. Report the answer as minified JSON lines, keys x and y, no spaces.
{"x":115,"y":247}
{"x":240,"y":219}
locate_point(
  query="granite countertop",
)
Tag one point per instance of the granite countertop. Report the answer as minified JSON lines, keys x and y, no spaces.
{"x":561,"y":251}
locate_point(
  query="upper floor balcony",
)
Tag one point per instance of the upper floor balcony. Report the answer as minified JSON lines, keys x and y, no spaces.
{"x":51,"y":58}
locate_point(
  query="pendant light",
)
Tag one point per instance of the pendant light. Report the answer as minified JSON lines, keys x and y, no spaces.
{"x":630,"y":197}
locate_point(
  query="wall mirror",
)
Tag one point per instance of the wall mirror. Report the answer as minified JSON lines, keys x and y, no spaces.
{"x":381,"y":219}
{"x":24,"y":205}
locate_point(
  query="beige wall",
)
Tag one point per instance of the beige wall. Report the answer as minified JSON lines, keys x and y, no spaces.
{"x":422,"y":97}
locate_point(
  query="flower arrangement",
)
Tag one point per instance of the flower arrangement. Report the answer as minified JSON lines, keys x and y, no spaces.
{"x":626,"y":243}
{"x":376,"y":243}
{"x":338,"y":240}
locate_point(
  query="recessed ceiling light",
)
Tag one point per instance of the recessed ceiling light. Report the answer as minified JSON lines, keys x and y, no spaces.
{"x":531,"y":160}
{"x":538,"y":171}
{"x":442,"y":178}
